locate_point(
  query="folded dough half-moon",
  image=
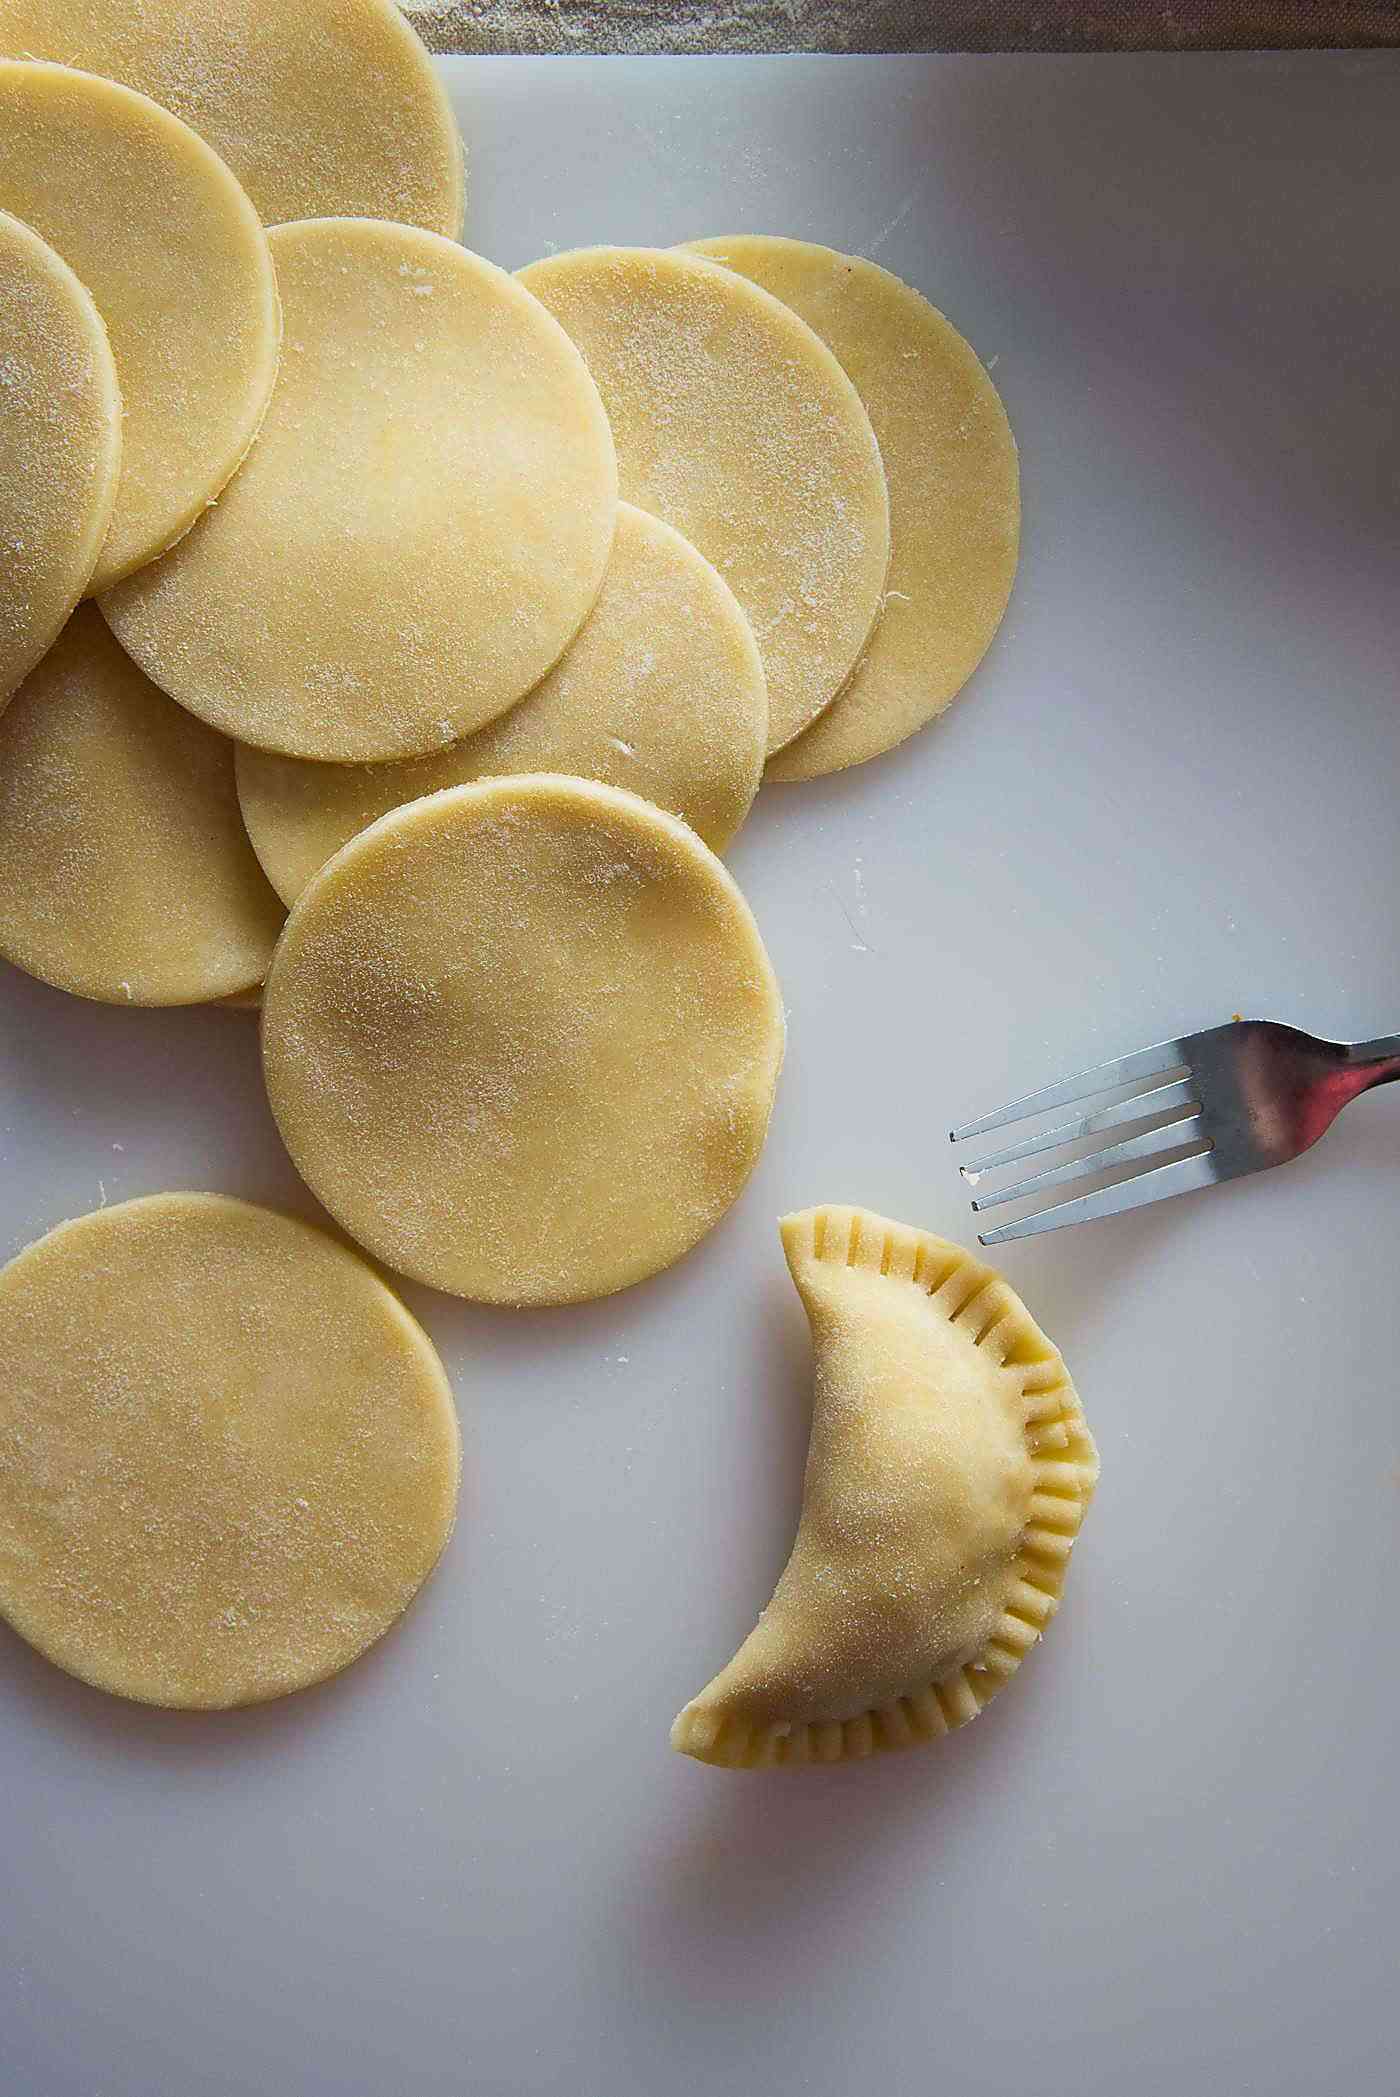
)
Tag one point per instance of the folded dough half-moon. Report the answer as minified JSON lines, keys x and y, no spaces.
{"x":948,"y":1472}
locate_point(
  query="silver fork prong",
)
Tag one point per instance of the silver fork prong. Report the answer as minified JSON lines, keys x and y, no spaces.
{"x":1181,"y":1093}
{"x":1180,"y":1176}
{"x":1155,"y":1062}
{"x":1168,"y":1135}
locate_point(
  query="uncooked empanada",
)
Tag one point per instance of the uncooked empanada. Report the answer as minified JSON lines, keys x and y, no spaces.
{"x":947,"y":1476}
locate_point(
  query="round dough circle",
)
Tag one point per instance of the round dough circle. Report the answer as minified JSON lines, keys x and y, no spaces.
{"x":322,"y":108}
{"x":228,"y":1455}
{"x":60,"y":439}
{"x":522,"y":1038}
{"x":955,"y":503}
{"x":662,"y":693}
{"x":739,"y":427}
{"x":422,"y":527}
{"x":177,"y":262}
{"x":125,"y":872}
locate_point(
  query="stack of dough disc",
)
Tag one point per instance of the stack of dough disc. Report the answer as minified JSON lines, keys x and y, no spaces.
{"x":955,"y":511}
{"x":833,"y":445}
{"x":422,"y":527}
{"x":662,"y":692}
{"x":738,"y":426}
{"x":322,"y":108}
{"x":458,"y":613}
{"x":155,"y":226}
{"x":429,"y":444}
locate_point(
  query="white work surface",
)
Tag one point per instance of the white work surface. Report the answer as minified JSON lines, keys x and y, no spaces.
{"x":1166,"y":1858}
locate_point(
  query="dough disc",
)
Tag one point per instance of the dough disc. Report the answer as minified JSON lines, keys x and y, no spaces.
{"x":521,"y":1038}
{"x":228,"y":1455}
{"x":662,"y":692}
{"x":60,"y":439}
{"x":955,"y":504}
{"x":735,"y":424}
{"x":322,"y":108}
{"x":125,"y":873}
{"x":422,"y":527}
{"x":155,"y":226}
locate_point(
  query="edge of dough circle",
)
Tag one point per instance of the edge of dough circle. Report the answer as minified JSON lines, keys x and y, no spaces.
{"x":61,"y":441}
{"x":942,"y":430}
{"x":322,"y":108}
{"x":522,"y":1037}
{"x":126,"y":873}
{"x":158,"y":229}
{"x":735,"y":423}
{"x":435,"y":479}
{"x":203,"y":1513}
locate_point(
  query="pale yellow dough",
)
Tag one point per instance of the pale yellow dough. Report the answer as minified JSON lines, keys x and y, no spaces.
{"x":739,"y":427}
{"x":125,"y":873}
{"x":422,"y":527}
{"x":152,"y":222}
{"x":947,"y":1475}
{"x":955,"y":506}
{"x":228,"y":1455}
{"x":60,"y":443}
{"x":522,"y":1037}
{"x":321,"y":107}
{"x":662,"y":693}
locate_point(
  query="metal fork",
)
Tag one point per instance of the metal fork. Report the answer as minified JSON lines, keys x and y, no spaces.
{"x":1207,"y":1107}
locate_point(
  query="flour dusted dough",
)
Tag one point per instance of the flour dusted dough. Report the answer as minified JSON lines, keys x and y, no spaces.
{"x":322,"y":108}
{"x":228,"y":1455}
{"x":735,"y":424}
{"x":662,"y":693}
{"x":955,"y":506}
{"x":125,"y":873}
{"x":153,"y":223}
{"x":521,"y":1038}
{"x":60,"y":441}
{"x":422,"y":527}
{"x":947,"y":1475}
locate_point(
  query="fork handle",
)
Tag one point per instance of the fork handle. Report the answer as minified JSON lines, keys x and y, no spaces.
{"x":1360,"y":1066}
{"x":1379,"y":1060}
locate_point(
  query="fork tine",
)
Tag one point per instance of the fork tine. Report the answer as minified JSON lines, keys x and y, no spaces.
{"x":1181,"y":1093}
{"x":1168,"y":1136}
{"x":1182,"y":1176}
{"x":1152,"y":1062}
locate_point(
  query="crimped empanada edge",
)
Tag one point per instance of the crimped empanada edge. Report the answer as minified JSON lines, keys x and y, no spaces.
{"x":1065,"y":1464}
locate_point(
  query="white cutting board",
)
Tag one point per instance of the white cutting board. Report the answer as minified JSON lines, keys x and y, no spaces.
{"x":1166,"y":1858}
